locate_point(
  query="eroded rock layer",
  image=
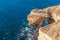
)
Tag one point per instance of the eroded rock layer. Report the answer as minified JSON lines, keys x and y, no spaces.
{"x":37,"y":18}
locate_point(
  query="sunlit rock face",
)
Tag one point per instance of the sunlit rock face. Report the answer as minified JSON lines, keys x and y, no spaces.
{"x":53,"y":12}
{"x":50,"y":32}
{"x":56,"y":13}
{"x":38,"y":17}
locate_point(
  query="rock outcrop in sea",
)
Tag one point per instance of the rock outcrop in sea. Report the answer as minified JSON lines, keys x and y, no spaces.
{"x":37,"y":18}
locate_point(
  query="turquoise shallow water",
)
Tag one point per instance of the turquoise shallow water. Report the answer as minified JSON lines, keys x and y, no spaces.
{"x":13,"y":14}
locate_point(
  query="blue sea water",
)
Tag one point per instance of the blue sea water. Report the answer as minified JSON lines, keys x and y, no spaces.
{"x":13,"y":17}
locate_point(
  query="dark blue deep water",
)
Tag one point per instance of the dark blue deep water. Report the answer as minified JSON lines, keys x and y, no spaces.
{"x":13,"y":14}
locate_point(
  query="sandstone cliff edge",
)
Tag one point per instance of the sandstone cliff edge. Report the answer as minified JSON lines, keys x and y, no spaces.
{"x":37,"y":18}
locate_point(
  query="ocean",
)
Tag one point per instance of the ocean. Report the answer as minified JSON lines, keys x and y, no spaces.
{"x":13,"y":17}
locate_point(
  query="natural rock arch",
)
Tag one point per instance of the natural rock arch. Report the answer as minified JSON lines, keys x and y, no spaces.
{"x":51,"y":31}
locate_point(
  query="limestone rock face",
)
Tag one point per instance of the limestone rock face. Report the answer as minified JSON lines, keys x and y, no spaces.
{"x":50,"y":32}
{"x":37,"y":18}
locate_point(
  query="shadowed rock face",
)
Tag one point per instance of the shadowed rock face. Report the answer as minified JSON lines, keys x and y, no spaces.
{"x":51,"y":31}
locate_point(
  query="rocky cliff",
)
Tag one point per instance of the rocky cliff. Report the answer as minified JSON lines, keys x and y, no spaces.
{"x":37,"y":18}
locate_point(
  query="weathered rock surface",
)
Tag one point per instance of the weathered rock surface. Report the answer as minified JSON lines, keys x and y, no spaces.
{"x":51,"y":31}
{"x":36,"y":17}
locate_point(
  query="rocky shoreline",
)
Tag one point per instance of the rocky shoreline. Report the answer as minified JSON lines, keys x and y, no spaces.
{"x":37,"y":18}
